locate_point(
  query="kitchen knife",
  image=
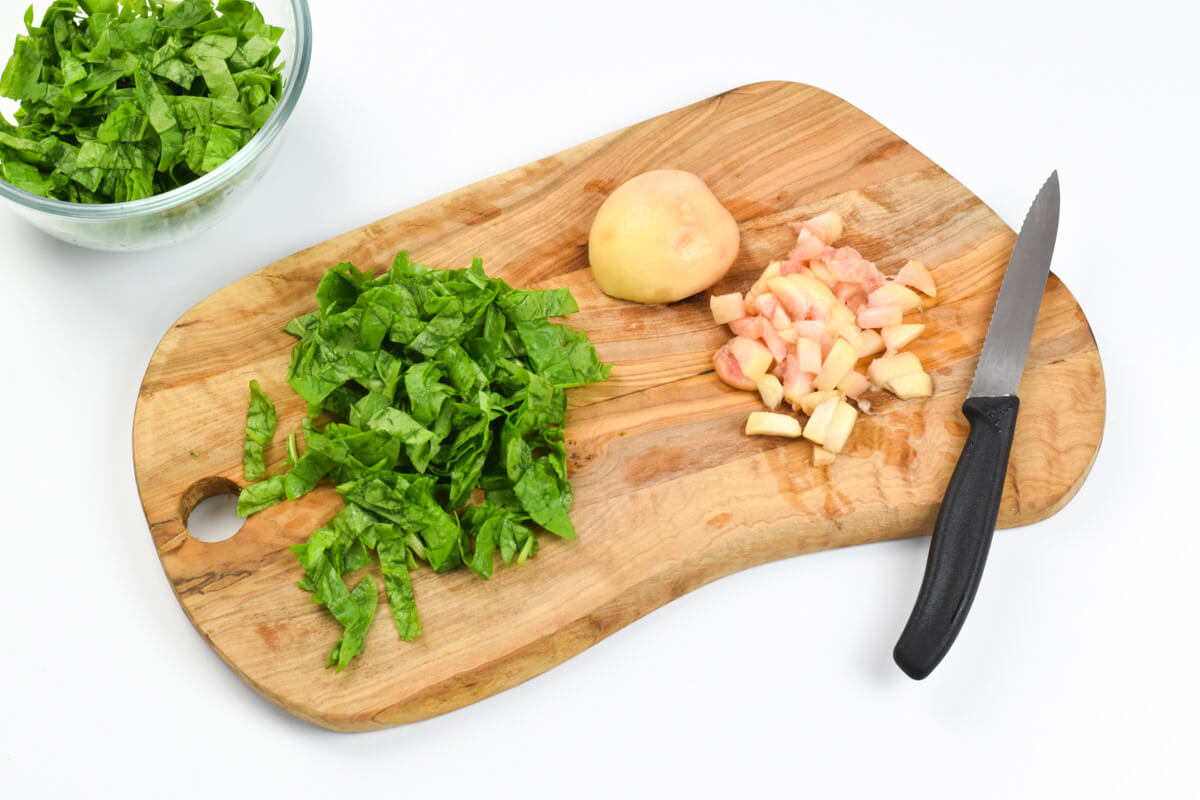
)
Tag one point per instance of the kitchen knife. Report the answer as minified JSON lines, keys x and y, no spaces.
{"x":967,"y":517}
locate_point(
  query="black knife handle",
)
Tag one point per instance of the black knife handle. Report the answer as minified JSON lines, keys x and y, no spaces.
{"x":961,"y":536}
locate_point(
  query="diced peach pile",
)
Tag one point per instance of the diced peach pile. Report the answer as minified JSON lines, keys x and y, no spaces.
{"x":804,"y":327}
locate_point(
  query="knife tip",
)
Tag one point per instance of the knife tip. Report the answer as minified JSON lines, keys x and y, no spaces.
{"x":1050,"y":186}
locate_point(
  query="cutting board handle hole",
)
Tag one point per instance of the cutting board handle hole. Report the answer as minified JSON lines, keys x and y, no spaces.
{"x":209,"y":510}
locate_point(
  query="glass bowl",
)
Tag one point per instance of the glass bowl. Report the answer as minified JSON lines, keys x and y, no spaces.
{"x":175,"y":215}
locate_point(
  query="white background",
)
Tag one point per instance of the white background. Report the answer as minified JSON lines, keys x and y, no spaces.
{"x":1076,"y":673}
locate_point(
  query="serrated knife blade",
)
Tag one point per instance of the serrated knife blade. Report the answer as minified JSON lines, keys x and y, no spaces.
{"x":967,"y":517}
{"x":1011,"y":330}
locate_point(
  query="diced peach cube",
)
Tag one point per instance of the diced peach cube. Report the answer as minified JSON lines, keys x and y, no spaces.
{"x":844,"y":417}
{"x":885,"y":369}
{"x":912,"y":384}
{"x":808,"y":245}
{"x":822,"y":457}
{"x":809,"y":329}
{"x":827,"y":226}
{"x":808,"y":355}
{"x":794,"y":300}
{"x":770,"y":390}
{"x":796,"y":381}
{"x":760,"y":286}
{"x":819,"y":421}
{"x":766,"y":423}
{"x":916,"y":275}
{"x":777,"y":346}
{"x":897,"y":337}
{"x":766,"y":304}
{"x":869,"y":343}
{"x":840,"y":361}
{"x":895,"y":294}
{"x":750,"y":327}
{"x":821,"y":270}
{"x":752,"y":356}
{"x":727,"y":307}
{"x":840,"y":317}
{"x":848,"y":266}
{"x":729,"y":370}
{"x":852,"y":334}
{"x":853,"y":384}
{"x":810,"y":401}
{"x":870,"y":316}
{"x":902,"y":375}
{"x":819,"y":295}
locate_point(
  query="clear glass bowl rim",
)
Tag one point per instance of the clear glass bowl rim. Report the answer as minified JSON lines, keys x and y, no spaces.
{"x":202,"y":185}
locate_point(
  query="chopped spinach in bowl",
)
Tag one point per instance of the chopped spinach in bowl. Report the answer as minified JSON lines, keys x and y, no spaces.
{"x":121,"y":100}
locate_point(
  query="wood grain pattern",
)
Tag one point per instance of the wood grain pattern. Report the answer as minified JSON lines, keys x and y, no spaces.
{"x":669,"y":494}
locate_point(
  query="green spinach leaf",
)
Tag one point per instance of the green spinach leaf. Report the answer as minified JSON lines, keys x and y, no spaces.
{"x":260,"y":427}
{"x":264,"y":494}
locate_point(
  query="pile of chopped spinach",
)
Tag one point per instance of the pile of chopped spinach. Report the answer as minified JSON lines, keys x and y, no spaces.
{"x":444,"y":391}
{"x":125,"y":99}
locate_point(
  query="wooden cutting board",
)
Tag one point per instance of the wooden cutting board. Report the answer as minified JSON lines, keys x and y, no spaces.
{"x":669,"y":493}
